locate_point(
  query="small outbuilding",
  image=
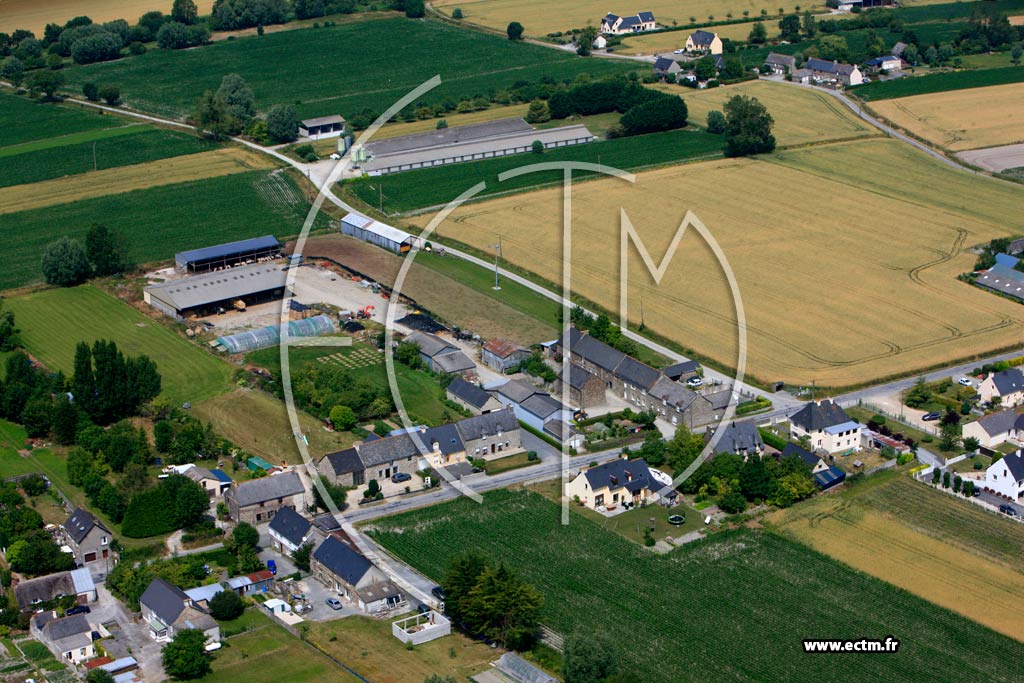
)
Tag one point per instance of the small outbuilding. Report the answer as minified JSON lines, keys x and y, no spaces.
{"x":322,"y":127}
{"x":226,"y":255}
{"x":375,"y":232}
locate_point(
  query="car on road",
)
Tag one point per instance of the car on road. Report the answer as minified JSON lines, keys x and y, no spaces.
{"x":678,"y":52}
{"x":399,"y":477}
{"x":929,"y":417}
{"x":965,"y":381}
{"x":694,"y":382}
{"x":333,"y":603}
{"x":272,"y":566}
{"x":1007,"y":509}
{"x":80,"y":609}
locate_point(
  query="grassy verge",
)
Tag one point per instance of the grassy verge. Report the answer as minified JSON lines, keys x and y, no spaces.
{"x":509,"y":463}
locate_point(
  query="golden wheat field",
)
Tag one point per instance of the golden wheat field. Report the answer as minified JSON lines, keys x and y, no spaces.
{"x":801,"y":115}
{"x":540,"y":17}
{"x":961,"y":119}
{"x":127,"y":178}
{"x":944,"y":550}
{"x":845,"y":275}
{"x":35,"y":14}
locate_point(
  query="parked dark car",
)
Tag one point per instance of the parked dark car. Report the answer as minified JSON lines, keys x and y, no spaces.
{"x":928,"y":417}
{"x":399,"y":477}
{"x":422,"y":608}
{"x":437,"y":592}
{"x":79,"y":609}
{"x":1007,"y":509}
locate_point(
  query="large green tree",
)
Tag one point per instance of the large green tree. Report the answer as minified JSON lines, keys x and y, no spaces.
{"x":588,"y":658}
{"x":282,"y":124}
{"x":64,"y":263}
{"x":238,"y":99}
{"x":184,"y":11}
{"x":514,"y":31}
{"x":748,"y":127}
{"x":106,"y":250}
{"x":185,"y":658}
{"x":226,"y":605}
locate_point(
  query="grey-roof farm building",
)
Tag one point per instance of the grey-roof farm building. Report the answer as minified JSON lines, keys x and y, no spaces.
{"x":217,"y":291}
{"x":381,"y":234}
{"x":219,"y":256}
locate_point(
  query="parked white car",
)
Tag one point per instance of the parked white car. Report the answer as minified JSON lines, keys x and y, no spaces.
{"x":694,"y":382}
{"x":965,"y":381}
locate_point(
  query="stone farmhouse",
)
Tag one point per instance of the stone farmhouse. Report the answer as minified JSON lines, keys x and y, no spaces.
{"x":258,"y":500}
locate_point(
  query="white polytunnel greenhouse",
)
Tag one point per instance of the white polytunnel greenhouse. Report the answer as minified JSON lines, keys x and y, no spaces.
{"x":271,"y":335}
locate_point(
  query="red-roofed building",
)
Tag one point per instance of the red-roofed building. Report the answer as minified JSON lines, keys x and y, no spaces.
{"x":502,"y":354}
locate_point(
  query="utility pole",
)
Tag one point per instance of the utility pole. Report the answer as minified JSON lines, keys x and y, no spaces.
{"x":94,"y":166}
{"x":497,"y":253}
{"x":380,"y":188}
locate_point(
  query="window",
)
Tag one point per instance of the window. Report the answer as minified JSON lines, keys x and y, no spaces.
{"x":358,"y":478}
{"x":103,"y":540}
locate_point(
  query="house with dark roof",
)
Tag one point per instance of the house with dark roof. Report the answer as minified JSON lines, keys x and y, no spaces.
{"x":1005,"y":477}
{"x":617,"y":484}
{"x":995,"y":429}
{"x":87,"y":537}
{"x":741,"y":438}
{"x":354,"y":578}
{"x":680,"y":372}
{"x":834,"y":73}
{"x":68,"y":638}
{"x":886,"y":63}
{"x":704,"y":42}
{"x":471,"y":397}
{"x":167,"y":609}
{"x":215,"y":482}
{"x":289,"y":531}
{"x":827,"y":427}
{"x":490,"y":436}
{"x":1008,"y":385}
{"x":77,"y":583}
{"x":615,"y":25}
{"x":814,"y":462}
{"x":503,"y":355}
{"x":585,"y":389}
{"x":779,"y":64}
{"x":258,"y":500}
{"x":440,"y":355}
{"x":663,"y":66}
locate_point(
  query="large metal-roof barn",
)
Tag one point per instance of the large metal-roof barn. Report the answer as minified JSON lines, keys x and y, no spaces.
{"x":375,"y":232}
{"x":226,"y":255}
{"x":215,"y":292}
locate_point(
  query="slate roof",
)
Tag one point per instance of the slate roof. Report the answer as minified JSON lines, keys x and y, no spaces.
{"x":199,"y":473}
{"x":663,"y":63}
{"x":398,"y":447}
{"x":445,"y":437}
{"x":632,"y":371}
{"x":517,"y":390}
{"x":810,"y":459}
{"x":898,"y":48}
{"x":814,"y":417}
{"x":1015,"y":463}
{"x":1001,"y":422}
{"x":267,"y":488}
{"x":58,"y":629}
{"x":468,"y":393}
{"x":1008,"y":381}
{"x":646,"y":16}
{"x":559,"y":429}
{"x":430,"y":344}
{"x":631,"y":475}
{"x":489,"y":424}
{"x":702,"y":38}
{"x":290,"y":525}
{"x":687,"y":367}
{"x":342,"y":561}
{"x":740,"y":437}
{"x":541,"y":405}
{"x":788,"y":61}
{"x":165,"y":600}
{"x":80,"y":523}
{"x":345,"y":462}
{"x":823,"y":66}
{"x":578,"y":376}
{"x":453,"y":361}
{"x":44,"y":589}
{"x":673,"y":393}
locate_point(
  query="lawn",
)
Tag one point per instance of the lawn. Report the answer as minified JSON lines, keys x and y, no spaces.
{"x":940,"y":82}
{"x":26,"y":120}
{"x":160,"y":221}
{"x":122,"y":147}
{"x":367,"y":646}
{"x":331,"y":71}
{"x":957,"y":120}
{"x":893,"y":293}
{"x":428,"y":187}
{"x":730,"y":608}
{"x":53,"y":321}
{"x":668,"y":41}
{"x":264,"y":652}
{"x":801,"y":116}
{"x":929,"y":543}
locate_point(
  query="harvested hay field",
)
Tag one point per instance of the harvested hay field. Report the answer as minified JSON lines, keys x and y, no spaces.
{"x":124,"y":179}
{"x":802,"y":116}
{"x":539,"y":17}
{"x":961,"y":119}
{"x":944,"y":550}
{"x":452,"y":298}
{"x":34,"y":15}
{"x":832,"y":299}
{"x":258,"y":422}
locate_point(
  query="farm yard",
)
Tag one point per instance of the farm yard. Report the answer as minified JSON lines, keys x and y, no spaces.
{"x":53,"y":321}
{"x":222,"y":209}
{"x":288,"y":67}
{"x":428,"y":187}
{"x":944,"y":550}
{"x":801,"y":116}
{"x":737,"y":604}
{"x":540,"y":18}
{"x":768,"y":229}
{"x":961,"y":119}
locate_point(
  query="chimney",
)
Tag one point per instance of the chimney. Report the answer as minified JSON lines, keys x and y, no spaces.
{"x":423,"y":429}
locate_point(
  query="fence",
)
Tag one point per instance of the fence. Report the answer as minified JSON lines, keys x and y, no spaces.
{"x":551,"y":638}
{"x":887,"y":465}
{"x":899,"y":418}
{"x":925,"y":478}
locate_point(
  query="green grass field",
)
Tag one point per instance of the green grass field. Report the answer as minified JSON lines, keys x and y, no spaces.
{"x":940,"y":82}
{"x":732,"y":608}
{"x":26,"y":120}
{"x":118,"y":147}
{"x":53,"y":321}
{"x":341,"y":69}
{"x":434,"y":186}
{"x":160,"y":221}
